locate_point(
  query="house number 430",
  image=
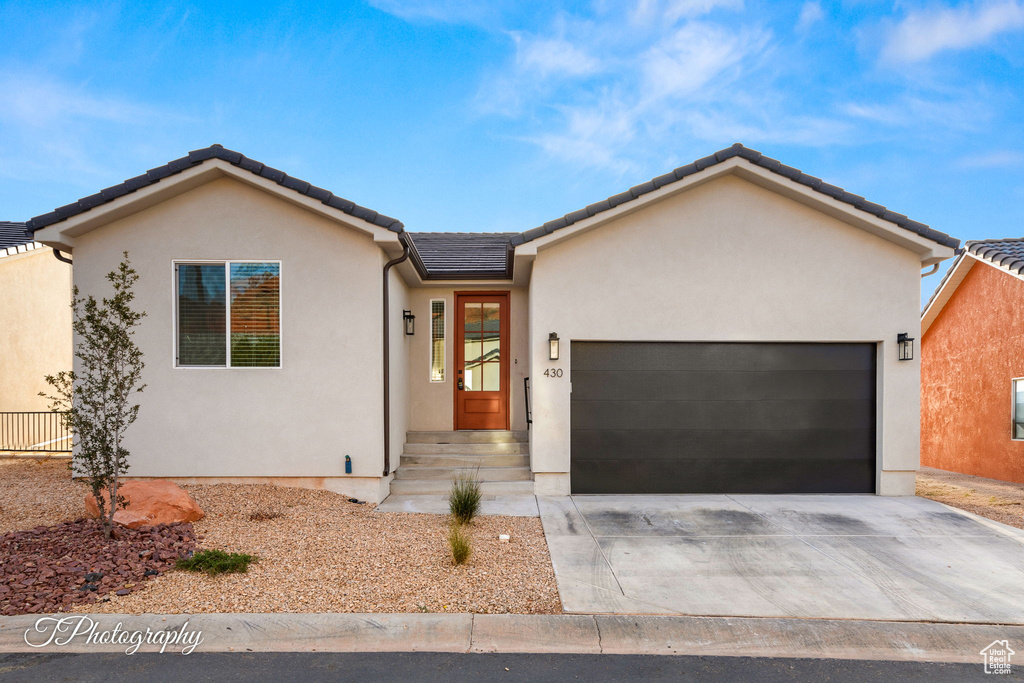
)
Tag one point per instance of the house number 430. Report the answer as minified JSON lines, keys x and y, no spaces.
{"x":553,"y":372}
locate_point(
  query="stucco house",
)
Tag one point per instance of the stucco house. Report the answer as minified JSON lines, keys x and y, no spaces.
{"x":972,"y":364}
{"x":35,"y":318}
{"x":730,"y":326}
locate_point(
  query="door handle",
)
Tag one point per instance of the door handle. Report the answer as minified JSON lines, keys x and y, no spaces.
{"x":460,"y":385}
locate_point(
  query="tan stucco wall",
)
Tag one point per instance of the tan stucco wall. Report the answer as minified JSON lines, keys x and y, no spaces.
{"x":726,"y":261}
{"x":296,"y":421}
{"x":35,"y":327}
{"x":431,"y":404}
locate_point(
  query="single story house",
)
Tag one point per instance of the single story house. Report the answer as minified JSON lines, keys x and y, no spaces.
{"x":972,"y":364}
{"x":729,"y":326}
{"x":35,"y":323}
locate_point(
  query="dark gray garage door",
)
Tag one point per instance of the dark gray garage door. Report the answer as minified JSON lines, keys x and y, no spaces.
{"x":722,"y":418}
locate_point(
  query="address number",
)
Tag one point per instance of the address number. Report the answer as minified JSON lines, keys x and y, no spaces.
{"x":553,"y":372}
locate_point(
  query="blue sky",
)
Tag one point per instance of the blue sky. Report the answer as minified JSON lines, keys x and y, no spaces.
{"x":468,"y":115}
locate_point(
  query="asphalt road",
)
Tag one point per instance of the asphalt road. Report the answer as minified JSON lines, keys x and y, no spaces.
{"x":446,"y":668}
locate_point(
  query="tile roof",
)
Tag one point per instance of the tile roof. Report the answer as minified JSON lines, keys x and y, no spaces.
{"x":197,"y":157}
{"x":1008,"y":253}
{"x":463,"y":254}
{"x":475,"y":255}
{"x":13,"y":234}
{"x":757,"y":159}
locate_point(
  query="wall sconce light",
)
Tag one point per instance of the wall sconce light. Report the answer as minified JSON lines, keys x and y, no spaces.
{"x":410,"y":322}
{"x":906,"y":346}
{"x":553,"y":346}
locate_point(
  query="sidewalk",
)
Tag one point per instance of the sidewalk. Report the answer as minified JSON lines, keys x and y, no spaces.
{"x":467,"y":633}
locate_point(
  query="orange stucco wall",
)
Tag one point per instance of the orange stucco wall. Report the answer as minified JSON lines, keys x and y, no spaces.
{"x":969,"y":356}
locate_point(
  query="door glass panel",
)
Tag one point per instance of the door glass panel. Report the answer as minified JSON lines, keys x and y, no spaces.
{"x":472,"y":381}
{"x":491,"y":378}
{"x":473,"y":350}
{"x":491,"y":346}
{"x":491,"y":316}
{"x":472,"y":321}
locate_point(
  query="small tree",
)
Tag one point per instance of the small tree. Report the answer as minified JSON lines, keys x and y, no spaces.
{"x":95,"y":401}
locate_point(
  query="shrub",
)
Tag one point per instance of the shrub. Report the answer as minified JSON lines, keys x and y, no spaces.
{"x":458,"y":539}
{"x":264,"y":515}
{"x":464,"y":499}
{"x":215,"y":562}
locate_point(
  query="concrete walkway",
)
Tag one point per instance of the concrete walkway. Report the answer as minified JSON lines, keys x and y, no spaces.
{"x":821,"y":557}
{"x":831,"y":639}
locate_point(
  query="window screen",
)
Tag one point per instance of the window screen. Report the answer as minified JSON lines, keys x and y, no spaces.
{"x":201,"y":315}
{"x":241,"y":295}
{"x":437,"y":340}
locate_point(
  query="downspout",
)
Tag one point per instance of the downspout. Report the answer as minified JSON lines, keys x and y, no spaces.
{"x":387,"y":354}
{"x":934,"y":268}
{"x":65,"y":259}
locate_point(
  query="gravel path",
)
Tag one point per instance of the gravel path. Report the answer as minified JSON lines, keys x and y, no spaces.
{"x":998,"y":500}
{"x":323,"y":554}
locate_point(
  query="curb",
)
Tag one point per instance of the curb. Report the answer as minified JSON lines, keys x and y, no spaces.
{"x":513,"y":633}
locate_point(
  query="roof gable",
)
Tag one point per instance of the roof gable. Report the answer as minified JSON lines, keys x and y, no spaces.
{"x":1006,"y":255}
{"x":196,"y":158}
{"x":757,"y":159}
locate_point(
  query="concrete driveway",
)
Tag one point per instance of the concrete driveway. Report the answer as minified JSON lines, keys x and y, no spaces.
{"x":840,"y":557}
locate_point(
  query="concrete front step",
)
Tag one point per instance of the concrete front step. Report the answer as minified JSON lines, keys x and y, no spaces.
{"x":468,"y":436}
{"x":404,"y":487}
{"x":508,"y":448}
{"x":465,"y":460}
{"x":448,"y":473}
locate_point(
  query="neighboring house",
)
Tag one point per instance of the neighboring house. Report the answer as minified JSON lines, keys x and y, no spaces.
{"x":972,"y":364}
{"x":730,"y":326}
{"x":35,"y":319}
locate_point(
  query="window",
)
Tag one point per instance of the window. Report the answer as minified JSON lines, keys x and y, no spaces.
{"x":1018,"y":408}
{"x":437,"y":340}
{"x":243,"y":297}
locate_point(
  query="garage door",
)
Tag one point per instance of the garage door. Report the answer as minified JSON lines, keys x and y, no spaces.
{"x":722,"y":418}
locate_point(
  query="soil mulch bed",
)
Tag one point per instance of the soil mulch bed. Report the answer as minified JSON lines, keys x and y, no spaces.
{"x":317,"y":552}
{"x":1002,"y":501}
{"x":50,"y":569}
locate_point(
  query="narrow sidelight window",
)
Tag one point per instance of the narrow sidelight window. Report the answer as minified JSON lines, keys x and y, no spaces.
{"x":1018,"y":408}
{"x":229,"y":314}
{"x":437,"y":349}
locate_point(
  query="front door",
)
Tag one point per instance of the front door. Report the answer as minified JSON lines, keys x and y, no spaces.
{"x":481,"y":360}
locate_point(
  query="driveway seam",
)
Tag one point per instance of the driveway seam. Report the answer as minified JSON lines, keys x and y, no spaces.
{"x":598,"y":544}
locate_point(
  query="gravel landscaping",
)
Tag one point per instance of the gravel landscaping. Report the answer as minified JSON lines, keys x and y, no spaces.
{"x":317,"y":553}
{"x":1001,"y":501}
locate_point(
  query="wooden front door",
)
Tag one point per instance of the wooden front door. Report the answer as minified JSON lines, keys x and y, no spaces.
{"x":481,"y":360}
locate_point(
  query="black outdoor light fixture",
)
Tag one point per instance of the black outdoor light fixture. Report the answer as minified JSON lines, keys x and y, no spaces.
{"x":906,"y":346}
{"x":553,"y":346}
{"x":410,"y":322}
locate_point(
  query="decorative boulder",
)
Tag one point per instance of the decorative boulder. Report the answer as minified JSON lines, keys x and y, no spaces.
{"x":150,"y":502}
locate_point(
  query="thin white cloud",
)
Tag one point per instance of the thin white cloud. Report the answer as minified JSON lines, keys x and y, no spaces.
{"x":37,"y":102}
{"x":967,"y":110}
{"x":692,"y":56}
{"x":553,"y":57}
{"x":1002,"y":158}
{"x":810,"y":14}
{"x":671,"y":11}
{"x":442,"y":11}
{"x":925,"y":33}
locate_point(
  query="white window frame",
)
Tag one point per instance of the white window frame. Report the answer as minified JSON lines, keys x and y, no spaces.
{"x":1013,"y":408}
{"x":227,"y":312}
{"x":444,"y":342}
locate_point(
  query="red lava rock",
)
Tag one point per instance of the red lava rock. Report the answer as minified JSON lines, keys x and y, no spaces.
{"x":150,"y":502}
{"x":41,"y":570}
